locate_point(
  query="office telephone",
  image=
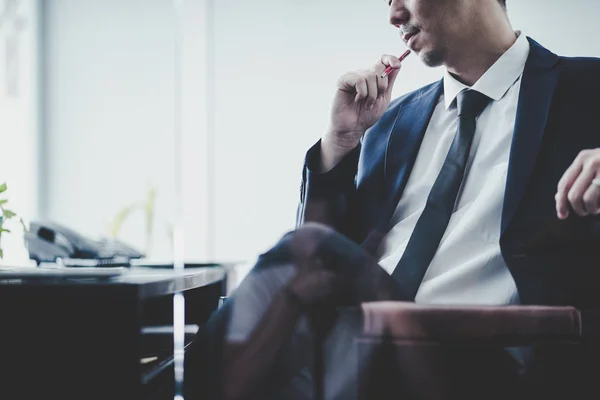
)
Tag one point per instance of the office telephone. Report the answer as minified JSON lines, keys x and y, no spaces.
{"x":51,"y":242}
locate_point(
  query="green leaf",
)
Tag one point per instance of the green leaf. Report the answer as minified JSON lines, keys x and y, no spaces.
{"x":2,"y":202}
{"x":9,"y":214}
{"x":3,"y":187}
{"x":1,"y":253}
{"x":120,"y":218}
{"x":25,"y":228}
{"x":149,"y":211}
{"x":4,"y":230}
{"x":149,"y":208}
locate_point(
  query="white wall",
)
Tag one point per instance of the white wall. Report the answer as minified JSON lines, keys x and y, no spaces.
{"x":109,"y":99}
{"x":568,"y":28}
{"x":108,"y":107}
{"x":19,"y":120}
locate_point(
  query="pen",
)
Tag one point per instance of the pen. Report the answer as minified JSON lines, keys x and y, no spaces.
{"x":390,"y":68}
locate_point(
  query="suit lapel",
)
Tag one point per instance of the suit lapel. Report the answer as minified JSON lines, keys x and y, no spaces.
{"x":403,"y":144}
{"x":405,"y":140}
{"x":537,"y":89}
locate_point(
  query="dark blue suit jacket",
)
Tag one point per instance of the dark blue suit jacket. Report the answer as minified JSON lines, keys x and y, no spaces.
{"x":553,"y":262}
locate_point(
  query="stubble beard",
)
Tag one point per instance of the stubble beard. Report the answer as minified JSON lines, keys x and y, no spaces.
{"x":434,"y":58}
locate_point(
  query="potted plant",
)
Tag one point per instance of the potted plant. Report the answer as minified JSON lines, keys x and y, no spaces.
{"x":5,"y":215}
{"x":147,"y":207}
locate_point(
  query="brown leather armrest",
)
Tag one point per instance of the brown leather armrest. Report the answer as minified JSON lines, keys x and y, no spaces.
{"x":410,"y":321}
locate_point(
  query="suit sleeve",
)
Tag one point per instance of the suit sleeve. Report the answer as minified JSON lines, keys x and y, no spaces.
{"x":328,"y":198}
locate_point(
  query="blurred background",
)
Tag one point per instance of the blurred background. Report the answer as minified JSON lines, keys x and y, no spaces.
{"x":87,"y":109}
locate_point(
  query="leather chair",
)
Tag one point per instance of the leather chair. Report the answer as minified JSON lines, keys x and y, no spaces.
{"x":415,"y":352}
{"x":410,"y":351}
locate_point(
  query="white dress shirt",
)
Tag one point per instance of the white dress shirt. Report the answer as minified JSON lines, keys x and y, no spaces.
{"x":468,"y":267}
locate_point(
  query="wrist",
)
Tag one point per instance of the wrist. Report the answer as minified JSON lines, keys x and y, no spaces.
{"x":341,"y":142}
{"x":333,"y":150}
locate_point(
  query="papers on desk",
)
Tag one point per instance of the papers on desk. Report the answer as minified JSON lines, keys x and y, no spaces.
{"x":53,"y":271}
{"x":168,"y":263}
{"x":93,"y":262}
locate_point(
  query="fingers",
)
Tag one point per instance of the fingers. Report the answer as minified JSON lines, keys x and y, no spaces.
{"x":564,"y":186}
{"x":591,"y":200}
{"x":313,"y":282}
{"x":365,"y":86}
{"x":326,"y":279}
{"x":385,"y":62}
{"x":382,"y":84}
{"x":391,"y":78}
{"x":581,"y":184}
{"x":373,"y":94}
{"x":575,"y":188}
{"x":362,"y":89}
{"x":369,"y":86}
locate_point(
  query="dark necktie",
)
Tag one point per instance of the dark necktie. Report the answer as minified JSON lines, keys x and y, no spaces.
{"x":432,"y":224}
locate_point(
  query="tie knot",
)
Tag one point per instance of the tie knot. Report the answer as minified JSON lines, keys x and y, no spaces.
{"x":472,"y":103}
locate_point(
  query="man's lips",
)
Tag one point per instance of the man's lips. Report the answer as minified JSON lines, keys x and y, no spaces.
{"x":406,"y":37}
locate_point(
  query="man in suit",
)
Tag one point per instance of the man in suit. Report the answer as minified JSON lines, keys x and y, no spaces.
{"x":528,"y":199}
{"x":482,"y":188}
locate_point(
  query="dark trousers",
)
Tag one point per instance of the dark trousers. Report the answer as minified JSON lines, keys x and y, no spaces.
{"x":363,"y":280}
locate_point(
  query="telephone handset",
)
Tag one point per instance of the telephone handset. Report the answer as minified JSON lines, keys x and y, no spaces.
{"x":49,"y":242}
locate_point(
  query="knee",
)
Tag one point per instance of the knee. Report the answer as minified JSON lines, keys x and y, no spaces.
{"x":315,"y":229}
{"x":297,"y":246}
{"x":305,"y":241}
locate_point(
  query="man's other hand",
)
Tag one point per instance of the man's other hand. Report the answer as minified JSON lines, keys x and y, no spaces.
{"x":576,"y":189}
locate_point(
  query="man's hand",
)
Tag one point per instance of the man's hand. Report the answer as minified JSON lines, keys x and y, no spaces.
{"x":575,"y":189}
{"x":360,"y":101}
{"x":313,"y":283}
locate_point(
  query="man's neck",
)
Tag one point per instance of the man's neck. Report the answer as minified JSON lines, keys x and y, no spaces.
{"x":470,"y":65}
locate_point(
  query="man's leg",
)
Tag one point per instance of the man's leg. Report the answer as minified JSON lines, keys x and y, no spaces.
{"x":361,"y":280}
{"x":204,"y":357}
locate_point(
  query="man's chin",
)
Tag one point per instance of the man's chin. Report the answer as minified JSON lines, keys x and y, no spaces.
{"x":432,"y":58}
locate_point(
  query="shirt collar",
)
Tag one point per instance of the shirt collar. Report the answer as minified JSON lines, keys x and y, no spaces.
{"x":498,"y":78}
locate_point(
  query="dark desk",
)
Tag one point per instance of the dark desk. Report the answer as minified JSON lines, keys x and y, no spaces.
{"x":82,"y":338}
